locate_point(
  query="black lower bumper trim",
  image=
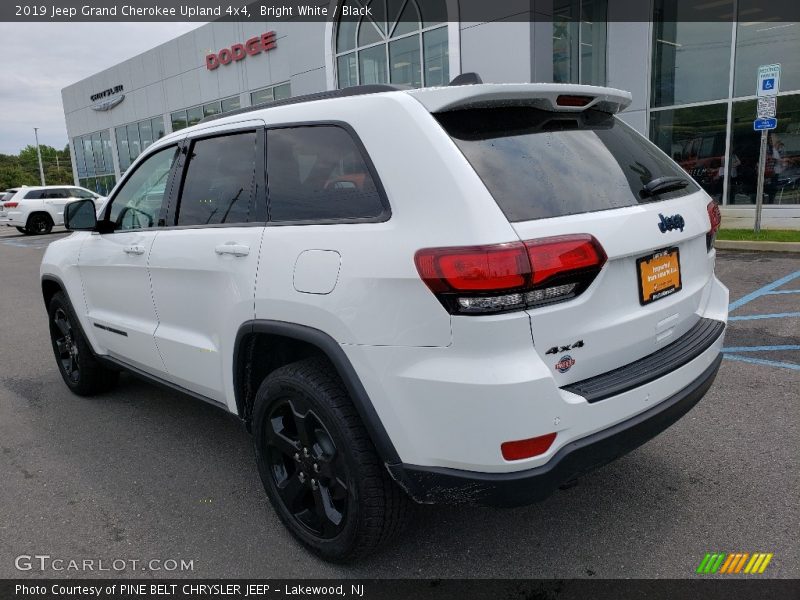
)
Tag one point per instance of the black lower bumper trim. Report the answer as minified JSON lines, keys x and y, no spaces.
{"x":680,"y":352}
{"x":435,"y":485}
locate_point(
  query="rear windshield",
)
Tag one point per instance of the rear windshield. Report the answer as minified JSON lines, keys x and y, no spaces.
{"x":7,"y":196}
{"x":540,"y":164}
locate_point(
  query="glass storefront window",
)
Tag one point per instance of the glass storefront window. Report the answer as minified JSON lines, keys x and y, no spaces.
{"x":211,"y":109}
{"x":690,"y":58}
{"x":122,"y":148}
{"x":93,"y":154}
{"x":405,"y":62}
{"x":695,"y":138}
{"x":282,"y":91}
{"x":80,"y":161}
{"x":270,"y":94}
{"x":232,"y":103}
{"x":134,"y":144}
{"x":157,"y":124}
{"x":194,"y":115}
{"x":393,"y":43}
{"x":437,"y":57}
{"x":764,"y":44}
{"x":579,"y":41}
{"x":372,"y":65}
{"x":782,"y":169}
{"x":145,"y":133}
{"x":179,"y":120}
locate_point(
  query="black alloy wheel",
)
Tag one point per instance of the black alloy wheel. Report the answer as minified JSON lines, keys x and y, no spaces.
{"x":306,"y":468}
{"x":39,"y":224}
{"x":67,"y":351}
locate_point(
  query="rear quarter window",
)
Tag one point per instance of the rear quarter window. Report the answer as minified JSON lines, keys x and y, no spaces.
{"x":539,"y":164}
{"x":318,"y":173}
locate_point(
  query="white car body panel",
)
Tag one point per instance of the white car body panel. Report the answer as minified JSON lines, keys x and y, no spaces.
{"x":54,"y":207}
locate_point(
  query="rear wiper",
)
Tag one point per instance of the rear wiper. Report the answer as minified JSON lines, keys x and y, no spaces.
{"x":659,"y":185}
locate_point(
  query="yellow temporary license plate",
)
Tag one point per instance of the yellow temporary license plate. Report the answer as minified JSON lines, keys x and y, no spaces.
{"x":659,"y":275}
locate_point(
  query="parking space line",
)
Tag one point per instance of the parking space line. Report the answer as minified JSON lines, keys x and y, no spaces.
{"x":760,"y":348}
{"x":775,"y":292}
{"x":762,"y":361}
{"x":771,"y":316}
{"x":762,"y":291}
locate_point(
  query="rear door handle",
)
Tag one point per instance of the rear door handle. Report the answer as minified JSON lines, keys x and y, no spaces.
{"x":136,"y":250}
{"x":233,"y":249}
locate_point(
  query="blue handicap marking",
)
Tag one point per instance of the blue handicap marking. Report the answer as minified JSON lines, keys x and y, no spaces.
{"x":769,"y":84}
{"x":765,"y":123}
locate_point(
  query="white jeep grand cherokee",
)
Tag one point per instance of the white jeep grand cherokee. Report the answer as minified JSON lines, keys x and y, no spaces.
{"x":464,"y":294}
{"x":36,"y":209}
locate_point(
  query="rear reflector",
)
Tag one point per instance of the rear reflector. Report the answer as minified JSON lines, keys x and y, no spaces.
{"x":512,"y":276}
{"x":527,"y":448}
{"x":568,"y":100}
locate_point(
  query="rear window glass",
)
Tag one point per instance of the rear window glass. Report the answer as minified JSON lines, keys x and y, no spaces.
{"x":35,"y":195}
{"x":317,"y":173}
{"x":539,"y":164}
{"x":7,"y":196}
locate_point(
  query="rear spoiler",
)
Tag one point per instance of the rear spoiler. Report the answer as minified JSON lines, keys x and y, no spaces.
{"x":546,"y":96}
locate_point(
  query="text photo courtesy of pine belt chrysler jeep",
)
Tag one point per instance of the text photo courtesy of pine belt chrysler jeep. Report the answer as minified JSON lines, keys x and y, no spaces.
{"x":472,"y":293}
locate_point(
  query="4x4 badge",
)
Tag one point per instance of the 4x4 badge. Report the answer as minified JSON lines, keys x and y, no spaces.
{"x":670,"y":223}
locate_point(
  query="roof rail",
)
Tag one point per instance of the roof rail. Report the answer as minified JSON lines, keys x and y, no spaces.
{"x":357,"y":90}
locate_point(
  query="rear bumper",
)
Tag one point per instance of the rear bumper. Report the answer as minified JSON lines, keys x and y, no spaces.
{"x":433,"y":485}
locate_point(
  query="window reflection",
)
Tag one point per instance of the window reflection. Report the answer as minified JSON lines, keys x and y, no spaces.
{"x":695,"y":138}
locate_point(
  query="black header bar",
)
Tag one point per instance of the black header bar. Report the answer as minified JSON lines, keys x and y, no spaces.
{"x":276,"y":11}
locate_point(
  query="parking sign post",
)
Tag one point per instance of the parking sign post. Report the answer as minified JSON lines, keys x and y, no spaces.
{"x":768,"y":84}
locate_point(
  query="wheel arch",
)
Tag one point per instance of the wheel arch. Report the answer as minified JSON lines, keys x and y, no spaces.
{"x":263,"y":345}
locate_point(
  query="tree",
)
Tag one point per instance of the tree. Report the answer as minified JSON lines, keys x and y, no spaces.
{"x":15,"y":176}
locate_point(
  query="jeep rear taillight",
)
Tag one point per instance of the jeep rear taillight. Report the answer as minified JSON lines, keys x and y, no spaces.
{"x":513,"y":276}
{"x":10,"y":204}
{"x":715,"y":217}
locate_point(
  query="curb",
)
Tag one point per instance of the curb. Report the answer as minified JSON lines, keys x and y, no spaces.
{"x":757,"y":246}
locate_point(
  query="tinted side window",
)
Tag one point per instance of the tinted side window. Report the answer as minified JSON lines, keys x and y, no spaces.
{"x":35,"y":195}
{"x":318,"y":173}
{"x":139,"y":203}
{"x":219,"y":180}
{"x":79,"y":193}
{"x":59,"y":193}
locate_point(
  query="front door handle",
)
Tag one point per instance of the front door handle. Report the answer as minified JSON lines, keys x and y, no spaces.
{"x":233,"y":249}
{"x":135,"y":250}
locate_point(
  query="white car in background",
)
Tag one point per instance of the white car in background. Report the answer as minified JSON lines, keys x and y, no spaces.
{"x":37,"y":209}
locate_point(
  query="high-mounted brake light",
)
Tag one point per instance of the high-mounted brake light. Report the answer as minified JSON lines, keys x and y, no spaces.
{"x":715,"y":217}
{"x":513,"y":276}
{"x":570,"y":100}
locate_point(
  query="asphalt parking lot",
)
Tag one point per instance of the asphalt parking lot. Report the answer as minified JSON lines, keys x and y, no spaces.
{"x":142,"y":473}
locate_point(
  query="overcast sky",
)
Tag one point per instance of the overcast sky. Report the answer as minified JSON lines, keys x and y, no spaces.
{"x":46,"y":57}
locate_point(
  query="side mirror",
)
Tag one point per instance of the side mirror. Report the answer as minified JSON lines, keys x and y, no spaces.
{"x":80,"y":216}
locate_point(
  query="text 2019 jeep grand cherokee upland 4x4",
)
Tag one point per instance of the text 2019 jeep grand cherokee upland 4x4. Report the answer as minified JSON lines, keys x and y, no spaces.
{"x":471,"y":293}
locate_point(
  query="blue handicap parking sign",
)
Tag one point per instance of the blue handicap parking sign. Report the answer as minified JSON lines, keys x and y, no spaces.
{"x":765,"y":123}
{"x":769,"y":84}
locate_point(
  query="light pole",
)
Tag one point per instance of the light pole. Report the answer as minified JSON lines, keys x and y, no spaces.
{"x":39,"y":154}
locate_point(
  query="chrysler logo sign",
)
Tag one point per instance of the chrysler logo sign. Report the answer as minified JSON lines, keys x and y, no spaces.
{"x":107,"y":99}
{"x":109,"y":104}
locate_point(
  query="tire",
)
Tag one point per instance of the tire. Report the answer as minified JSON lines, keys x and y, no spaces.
{"x":337,"y":498}
{"x":79,"y":368}
{"x":22,"y":230}
{"x":39,"y":224}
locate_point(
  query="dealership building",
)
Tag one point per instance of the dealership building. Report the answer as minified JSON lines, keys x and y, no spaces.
{"x":693,"y":81}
